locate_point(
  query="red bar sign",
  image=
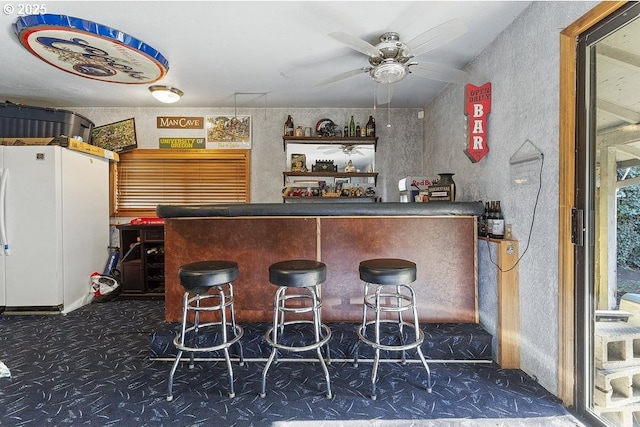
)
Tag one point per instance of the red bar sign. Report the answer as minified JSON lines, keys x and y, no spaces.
{"x":477,"y":108}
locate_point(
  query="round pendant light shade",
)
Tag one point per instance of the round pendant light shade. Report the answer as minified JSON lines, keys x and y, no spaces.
{"x":166,"y":94}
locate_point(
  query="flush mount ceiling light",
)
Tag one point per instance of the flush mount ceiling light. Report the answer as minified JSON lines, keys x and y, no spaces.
{"x":166,"y":94}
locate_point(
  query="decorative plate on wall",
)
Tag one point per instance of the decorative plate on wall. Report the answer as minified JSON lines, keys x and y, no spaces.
{"x":90,"y":50}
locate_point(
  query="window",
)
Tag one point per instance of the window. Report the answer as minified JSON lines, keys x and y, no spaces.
{"x":144,"y":178}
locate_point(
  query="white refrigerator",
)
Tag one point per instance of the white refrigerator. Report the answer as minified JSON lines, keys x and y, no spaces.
{"x":54,"y":227}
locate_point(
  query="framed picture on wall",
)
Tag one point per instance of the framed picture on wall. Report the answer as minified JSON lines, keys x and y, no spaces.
{"x":298,"y":163}
{"x":118,"y":136}
{"x":229,"y":131}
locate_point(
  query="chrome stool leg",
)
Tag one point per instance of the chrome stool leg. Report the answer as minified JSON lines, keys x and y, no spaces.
{"x":185,"y":302}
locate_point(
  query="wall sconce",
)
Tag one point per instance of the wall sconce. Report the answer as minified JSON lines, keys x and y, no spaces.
{"x":166,"y":94}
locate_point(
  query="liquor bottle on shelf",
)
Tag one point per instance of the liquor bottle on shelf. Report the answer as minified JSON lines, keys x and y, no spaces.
{"x":371,"y":127}
{"x":482,"y":223}
{"x":357,"y":129}
{"x":489,"y":208}
{"x":352,"y":128}
{"x":498,"y":223}
{"x":346,"y":131}
{"x":288,"y":126}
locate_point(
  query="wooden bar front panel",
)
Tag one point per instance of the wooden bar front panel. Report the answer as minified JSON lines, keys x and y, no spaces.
{"x":254,"y":243}
{"x":444,"y":249}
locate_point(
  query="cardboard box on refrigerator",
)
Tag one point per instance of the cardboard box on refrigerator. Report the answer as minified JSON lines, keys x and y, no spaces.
{"x":63,"y":141}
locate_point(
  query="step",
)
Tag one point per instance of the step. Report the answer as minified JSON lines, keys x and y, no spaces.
{"x":446,"y":342}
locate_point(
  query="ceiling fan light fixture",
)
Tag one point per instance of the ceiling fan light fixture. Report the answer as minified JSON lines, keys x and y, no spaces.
{"x":389,"y":72}
{"x":166,"y":94}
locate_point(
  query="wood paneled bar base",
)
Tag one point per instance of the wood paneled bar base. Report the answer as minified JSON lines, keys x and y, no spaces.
{"x":441,"y":241}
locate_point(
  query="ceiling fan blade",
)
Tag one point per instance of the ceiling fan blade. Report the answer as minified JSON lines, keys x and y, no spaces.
{"x":436,"y":37}
{"x":343,"y":76}
{"x":356,"y":43}
{"x":384,"y":93}
{"x":441,"y":73}
{"x":334,"y":151}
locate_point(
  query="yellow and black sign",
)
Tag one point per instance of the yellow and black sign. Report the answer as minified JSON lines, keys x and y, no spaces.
{"x":182,"y":143}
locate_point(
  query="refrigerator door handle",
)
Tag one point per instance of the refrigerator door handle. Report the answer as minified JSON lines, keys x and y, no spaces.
{"x":3,"y":220}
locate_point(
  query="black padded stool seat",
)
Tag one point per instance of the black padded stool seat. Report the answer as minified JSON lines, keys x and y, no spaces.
{"x":388,"y":271}
{"x":199,"y":277}
{"x":300,"y":273}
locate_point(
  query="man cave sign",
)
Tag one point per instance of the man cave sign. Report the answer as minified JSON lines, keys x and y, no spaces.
{"x":477,"y":108}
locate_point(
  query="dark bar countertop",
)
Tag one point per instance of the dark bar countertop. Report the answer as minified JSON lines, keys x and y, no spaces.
{"x":323,"y":209}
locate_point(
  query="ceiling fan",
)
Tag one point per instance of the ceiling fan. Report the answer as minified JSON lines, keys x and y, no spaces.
{"x":390,"y":60}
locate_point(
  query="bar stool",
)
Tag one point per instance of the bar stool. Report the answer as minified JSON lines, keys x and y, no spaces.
{"x":392,"y":293}
{"x":198,"y":279}
{"x":306,"y":276}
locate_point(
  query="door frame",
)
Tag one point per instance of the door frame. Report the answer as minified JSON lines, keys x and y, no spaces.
{"x":567,"y":182}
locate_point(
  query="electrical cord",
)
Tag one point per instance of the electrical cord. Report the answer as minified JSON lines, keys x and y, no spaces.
{"x":533,"y":219}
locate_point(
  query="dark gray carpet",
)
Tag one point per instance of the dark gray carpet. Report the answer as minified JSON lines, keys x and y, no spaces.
{"x":92,"y":368}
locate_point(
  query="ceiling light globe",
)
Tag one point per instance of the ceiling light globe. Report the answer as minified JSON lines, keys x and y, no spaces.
{"x":389,"y":72}
{"x":166,"y":94}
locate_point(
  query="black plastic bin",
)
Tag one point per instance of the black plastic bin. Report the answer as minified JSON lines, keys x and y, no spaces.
{"x":23,"y":121}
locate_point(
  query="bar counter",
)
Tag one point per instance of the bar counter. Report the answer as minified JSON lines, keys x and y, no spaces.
{"x":440,"y":237}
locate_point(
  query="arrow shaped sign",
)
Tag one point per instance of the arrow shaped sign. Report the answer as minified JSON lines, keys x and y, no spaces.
{"x":477,"y":108}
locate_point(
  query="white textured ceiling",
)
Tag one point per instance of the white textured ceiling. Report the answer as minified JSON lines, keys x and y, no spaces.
{"x":220,"y":53}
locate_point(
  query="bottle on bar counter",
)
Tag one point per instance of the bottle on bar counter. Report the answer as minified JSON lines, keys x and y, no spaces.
{"x":489,"y":215}
{"x":498,"y":223}
{"x":482,"y":224}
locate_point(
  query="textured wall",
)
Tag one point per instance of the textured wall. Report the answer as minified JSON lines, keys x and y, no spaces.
{"x":523,"y":66}
{"x":399,"y":147}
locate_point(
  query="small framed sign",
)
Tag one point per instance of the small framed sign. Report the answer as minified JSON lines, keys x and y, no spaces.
{"x":117,"y":137}
{"x":229,"y":131}
{"x":298,"y":163}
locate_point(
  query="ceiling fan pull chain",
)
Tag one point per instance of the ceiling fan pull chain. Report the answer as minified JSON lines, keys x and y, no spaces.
{"x":389,"y":108}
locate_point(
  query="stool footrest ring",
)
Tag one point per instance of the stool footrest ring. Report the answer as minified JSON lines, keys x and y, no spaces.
{"x":238,"y":333}
{"x":418,"y":342}
{"x":313,"y":346}
{"x":370,"y":301}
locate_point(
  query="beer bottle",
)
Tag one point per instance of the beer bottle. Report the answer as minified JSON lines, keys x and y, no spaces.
{"x":357,"y":129}
{"x":489,"y":211}
{"x":498,"y":222}
{"x":482,"y":223}
{"x":288,"y":126}
{"x":346,"y":131}
{"x":352,"y":128}
{"x":371,"y":127}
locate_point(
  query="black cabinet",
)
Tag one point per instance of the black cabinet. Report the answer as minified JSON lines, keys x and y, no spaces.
{"x":142,"y":257}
